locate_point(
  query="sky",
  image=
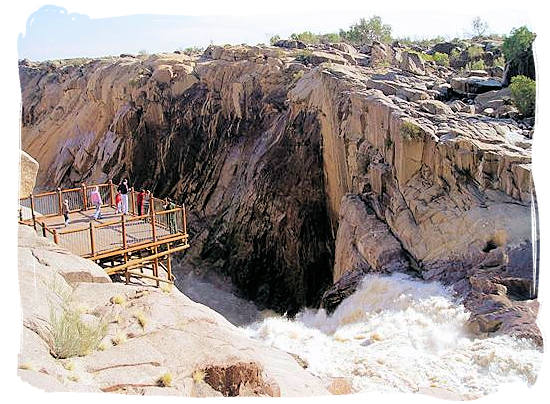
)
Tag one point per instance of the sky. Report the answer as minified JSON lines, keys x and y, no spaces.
{"x":56,"y":32}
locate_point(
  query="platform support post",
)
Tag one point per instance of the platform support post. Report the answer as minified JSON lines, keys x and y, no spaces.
{"x":84,"y":197}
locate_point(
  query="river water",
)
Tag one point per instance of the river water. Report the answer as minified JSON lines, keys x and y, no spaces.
{"x":394,"y":333}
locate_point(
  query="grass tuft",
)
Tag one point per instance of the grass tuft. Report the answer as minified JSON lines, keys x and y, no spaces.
{"x":142,"y":320}
{"x":198,"y":376}
{"x":119,"y":338}
{"x":118,"y":299}
{"x":67,"y":335}
{"x":73,"y":378}
{"x":26,"y":366}
{"x":165,"y":380}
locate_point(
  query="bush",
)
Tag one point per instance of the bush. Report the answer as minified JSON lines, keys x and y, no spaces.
{"x":475,"y":52}
{"x":65,"y":333}
{"x":455,"y":55}
{"x":304,"y":56}
{"x":365,"y":32}
{"x":68,"y":335}
{"x":274,"y":39}
{"x":192,"y":50}
{"x":524,"y":94}
{"x":477,"y":65}
{"x":305,"y":37}
{"x":441,"y":59}
{"x":410,"y":131}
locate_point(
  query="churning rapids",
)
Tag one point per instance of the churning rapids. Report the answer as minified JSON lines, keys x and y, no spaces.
{"x":393,"y":334}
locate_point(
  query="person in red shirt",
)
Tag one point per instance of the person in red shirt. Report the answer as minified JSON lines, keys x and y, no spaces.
{"x":140,"y":201}
{"x":118,"y":202}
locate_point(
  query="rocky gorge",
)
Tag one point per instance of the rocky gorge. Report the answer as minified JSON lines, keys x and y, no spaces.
{"x":306,"y":168}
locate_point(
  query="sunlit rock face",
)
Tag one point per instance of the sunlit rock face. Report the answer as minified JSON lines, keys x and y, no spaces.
{"x":296,"y":168}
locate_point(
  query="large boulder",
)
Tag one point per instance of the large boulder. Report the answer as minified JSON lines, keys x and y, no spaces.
{"x":28,"y":170}
{"x":444,"y":47}
{"x":412,"y":63}
{"x":474,"y":85}
{"x":290,"y":44}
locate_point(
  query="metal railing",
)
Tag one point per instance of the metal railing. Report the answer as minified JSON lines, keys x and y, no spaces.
{"x":118,"y":235}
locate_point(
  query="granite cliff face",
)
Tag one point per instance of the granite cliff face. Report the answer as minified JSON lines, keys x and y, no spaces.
{"x":300,"y":166}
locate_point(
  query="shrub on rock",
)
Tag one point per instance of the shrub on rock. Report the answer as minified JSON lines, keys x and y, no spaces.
{"x":524,"y":93}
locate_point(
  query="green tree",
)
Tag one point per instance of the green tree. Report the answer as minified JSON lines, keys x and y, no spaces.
{"x":524,"y":94}
{"x":517,"y":49}
{"x":331,"y":37}
{"x":479,"y":27}
{"x":366,"y":32}
{"x":518,"y":44}
{"x":306,"y":37}
{"x":273,"y":40}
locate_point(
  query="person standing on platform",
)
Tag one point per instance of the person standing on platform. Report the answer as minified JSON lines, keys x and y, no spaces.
{"x":172,"y":228}
{"x":65,"y":211}
{"x":118,"y":202}
{"x":140,"y":202}
{"x":95,"y":197}
{"x":123,"y":189}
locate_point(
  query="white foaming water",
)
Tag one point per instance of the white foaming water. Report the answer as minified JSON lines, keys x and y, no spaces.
{"x":398,"y":334}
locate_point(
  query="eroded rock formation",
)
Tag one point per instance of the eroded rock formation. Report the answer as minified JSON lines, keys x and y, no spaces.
{"x":292,"y":160}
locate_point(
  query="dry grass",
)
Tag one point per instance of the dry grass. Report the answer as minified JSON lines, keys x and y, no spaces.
{"x":198,"y":376}
{"x":73,"y":378}
{"x":142,"y":320}
{"x":118,"y":299}
{"x":165,"y":380}
{"x":26,"y":366}
{"x":119,"y":338}
{"x":66,"y":334}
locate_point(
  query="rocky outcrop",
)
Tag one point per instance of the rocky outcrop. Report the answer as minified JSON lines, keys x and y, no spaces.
{"x":277,"y":158}
{"x":28,"y":168}
{"x":155,"y":341}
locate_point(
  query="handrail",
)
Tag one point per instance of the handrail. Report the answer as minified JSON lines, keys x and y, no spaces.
{"x":126,"y":233}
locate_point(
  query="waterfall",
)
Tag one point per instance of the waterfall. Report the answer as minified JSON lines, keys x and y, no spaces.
{"x":399,"y":334}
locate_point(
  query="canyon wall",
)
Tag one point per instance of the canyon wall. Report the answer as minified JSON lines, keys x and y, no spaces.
{"x":297,"y":166}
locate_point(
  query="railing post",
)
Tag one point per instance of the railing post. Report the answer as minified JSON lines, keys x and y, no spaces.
{"x":124,"y":242}
{"x":92,"y":239}
{"x":59,"y":202}
{"x":20,"y":214}
{"x":169,"y":264}
{"x":55,"y":237}
{"x":112,"y":193}
{"x":43,"y":229}
{"x":84,"y":197}
{"x":155,"y":249}
{"x":132,"y":201}
{"x":184,"y":218}
{"x":123,"y":224}
{"x":32,"y":212}
{"x":152,"y":210}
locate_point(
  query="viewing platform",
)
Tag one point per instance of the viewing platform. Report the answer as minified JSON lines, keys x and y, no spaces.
{"x":131,"y":245}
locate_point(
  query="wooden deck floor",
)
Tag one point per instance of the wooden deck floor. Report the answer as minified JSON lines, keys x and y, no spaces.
{"x":106,"y":238}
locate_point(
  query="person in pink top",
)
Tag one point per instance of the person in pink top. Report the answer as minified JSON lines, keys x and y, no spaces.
{"x":95,"y":197}
{"x":118,"y":202}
